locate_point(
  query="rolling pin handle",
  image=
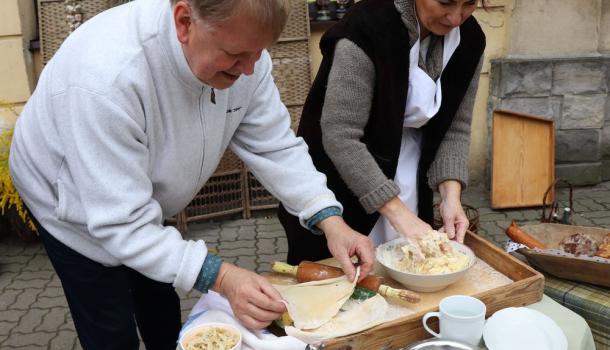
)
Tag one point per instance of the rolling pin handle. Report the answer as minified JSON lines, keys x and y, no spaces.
{"x":281,"y":267}
{"x":401,"y":294}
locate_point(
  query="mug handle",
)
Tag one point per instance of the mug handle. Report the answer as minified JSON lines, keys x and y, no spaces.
{"x":425,"y":321}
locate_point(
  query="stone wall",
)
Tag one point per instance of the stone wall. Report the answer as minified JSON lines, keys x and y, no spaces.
{"x":574,"y":93}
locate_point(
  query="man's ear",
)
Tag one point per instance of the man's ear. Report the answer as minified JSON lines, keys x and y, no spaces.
{"x":183,"y":18}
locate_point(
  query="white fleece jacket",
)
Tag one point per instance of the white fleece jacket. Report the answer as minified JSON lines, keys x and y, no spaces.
{"x":120,"y":135}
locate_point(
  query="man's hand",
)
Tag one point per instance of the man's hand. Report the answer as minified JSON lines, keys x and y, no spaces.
{"x":455,"y":222}
{"x":253,"y":299}
{"x":343,"y":243}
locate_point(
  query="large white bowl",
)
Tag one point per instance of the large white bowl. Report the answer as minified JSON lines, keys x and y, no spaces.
{"x":421,"y":282}
{"x":190,"y":333}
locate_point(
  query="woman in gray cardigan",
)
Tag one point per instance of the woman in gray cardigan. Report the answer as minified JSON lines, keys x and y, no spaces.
{"x":388,"y":118}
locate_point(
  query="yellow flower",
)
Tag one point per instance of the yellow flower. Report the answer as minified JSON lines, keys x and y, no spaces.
{"x":8,"y":194}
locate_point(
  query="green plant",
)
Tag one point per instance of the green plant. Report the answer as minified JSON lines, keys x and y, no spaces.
{"x":9,"y":197}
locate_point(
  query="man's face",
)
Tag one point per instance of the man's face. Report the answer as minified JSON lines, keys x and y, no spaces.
{"x":441,"y":16}
{"x":219,"y":53}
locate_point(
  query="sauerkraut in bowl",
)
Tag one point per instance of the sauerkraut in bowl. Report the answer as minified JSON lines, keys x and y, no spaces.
{"x":444,"y":262}
{"x":211,"y":336}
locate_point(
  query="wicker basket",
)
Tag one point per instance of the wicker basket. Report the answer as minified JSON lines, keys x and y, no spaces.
{"x":471,"y":213}
{"x":53,"y":26}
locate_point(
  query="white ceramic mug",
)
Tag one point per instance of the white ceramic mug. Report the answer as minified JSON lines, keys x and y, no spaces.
{"x":461,"y":318}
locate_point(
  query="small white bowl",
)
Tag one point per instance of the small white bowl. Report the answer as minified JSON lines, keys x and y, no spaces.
{"x":191,"y":332}
{"x":421,"y":282}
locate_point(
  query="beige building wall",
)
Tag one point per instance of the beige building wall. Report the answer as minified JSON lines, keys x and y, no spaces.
{"x":495,"y":22}
{"x":17,"y":77}
{"x":559,"y":28}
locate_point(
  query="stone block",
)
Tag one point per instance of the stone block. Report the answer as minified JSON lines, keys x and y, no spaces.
{"x":577,"y":145}
{"x":549,"y":107}
{"x":608,"y":101}
{"x":526,"y":79}
{"x":584,"y":77}
{"x":605,"y":151}
{"x":606,"y":170}
{"x":580,"y":174}
{"x":583,"y":112}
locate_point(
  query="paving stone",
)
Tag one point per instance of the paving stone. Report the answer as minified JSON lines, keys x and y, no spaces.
{"x":47,"y":303}
{"x":10,"y":268}
{"x":228,"y":234}
{"x":492,"y":217}
{"x":266,"y":246}
{"x":11,"y":315}
{"x":270,"y":227}
{"x":65,"y":339}
{"x":39,"y":262}
{"x":20,"y":284}
{"x":19,"y":259}
{"x":604,"y":222}
{"x":282,"y":244}
{"x":6,"y":279}
{"x":250,"y":244}
{"x":266,"y":267}
{"x":32,"y":275}
{"x":52,"y":292}
{"x":239,"y":223}
{"x":53,"y":320}
{"x":270,"y":258}
{"x":187,"y":304}
{"x":8,"y":297}
{"x":247,"y":262}
{"x":268,"y":221}
{"x":55,"y":281}
{"x":581,"y":220}
{"x":6,"y":327}
{"x":591,"y":204}
{"x":3,"y":338}
{"x":246,"y":232}
{"x":271,"y":234}
{"x":29,"y":321}
{"x":33,"y":341}
{"x":26,"y":299}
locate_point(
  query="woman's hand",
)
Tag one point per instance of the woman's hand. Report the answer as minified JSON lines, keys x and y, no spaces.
{"x":253,"y":299}
{"x":404,"y":221}
{"x":455,"y":222}
{"x":344,"y":242}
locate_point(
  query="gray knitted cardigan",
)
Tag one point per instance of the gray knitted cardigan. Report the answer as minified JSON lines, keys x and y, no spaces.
{"x":345,"y":114}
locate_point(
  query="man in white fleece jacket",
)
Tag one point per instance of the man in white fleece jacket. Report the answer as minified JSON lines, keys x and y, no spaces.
{"x":129,"y":120}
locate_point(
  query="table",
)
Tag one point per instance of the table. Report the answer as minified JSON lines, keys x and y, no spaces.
{"x":591,"y":302}
{"x":577,"y":332}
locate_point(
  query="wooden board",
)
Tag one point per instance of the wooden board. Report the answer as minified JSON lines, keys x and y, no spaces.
{"x":525,"y":288}
{"x":568,"y":267}
{"x":523,"y":159}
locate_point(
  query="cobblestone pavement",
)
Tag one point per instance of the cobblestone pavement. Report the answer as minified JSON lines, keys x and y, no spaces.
{"x":34,"y":313}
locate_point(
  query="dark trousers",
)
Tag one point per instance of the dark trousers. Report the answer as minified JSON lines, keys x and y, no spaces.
{"x":108,"y":303}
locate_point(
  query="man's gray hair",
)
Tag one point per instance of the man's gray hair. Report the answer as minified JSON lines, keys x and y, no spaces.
{"x":271,"y":14}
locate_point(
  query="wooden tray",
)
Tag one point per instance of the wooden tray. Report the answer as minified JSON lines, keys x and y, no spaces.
{"x":526,"y":288}
{"x":523,"y":159}
{"x":564,"y":266}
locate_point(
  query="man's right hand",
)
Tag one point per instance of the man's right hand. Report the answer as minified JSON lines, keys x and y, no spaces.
{"x":253,"y":299}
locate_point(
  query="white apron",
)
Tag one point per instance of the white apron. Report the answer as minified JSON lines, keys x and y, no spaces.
{"x":423,"y":102}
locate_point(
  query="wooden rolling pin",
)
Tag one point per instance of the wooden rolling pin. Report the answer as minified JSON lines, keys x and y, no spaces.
{"x":310,"y":271}
{"x":515,"y":233}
